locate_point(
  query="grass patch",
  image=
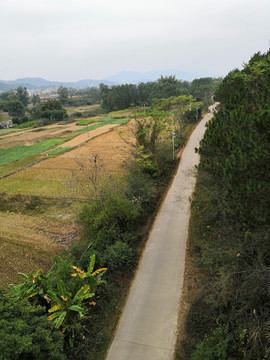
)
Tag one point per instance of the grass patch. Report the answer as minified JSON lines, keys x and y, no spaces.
{"x":18,"y":152}
{"x":17,"y":184}
{"x":108,"y":120}
{"x":88,"y":121}
{"x":58,"y":150}
{"x":27,"y":124}
{"x":120,"y":112}
{"x":20,"y":164}
{"x":20,"y":203}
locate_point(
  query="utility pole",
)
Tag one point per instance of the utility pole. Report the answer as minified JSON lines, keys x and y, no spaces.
{"x":173,"y":136}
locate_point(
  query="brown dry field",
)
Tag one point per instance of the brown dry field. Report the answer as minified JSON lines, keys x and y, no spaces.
{"x":49,"y":177}
{"x":27,"y":242}
{"x":32,"y":136}
{"x":87,"y":136}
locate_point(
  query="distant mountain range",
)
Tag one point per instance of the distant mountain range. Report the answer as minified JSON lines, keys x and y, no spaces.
{"x":132,"y":77}
{"x":39,"y":83}
{"x":124,"y":77}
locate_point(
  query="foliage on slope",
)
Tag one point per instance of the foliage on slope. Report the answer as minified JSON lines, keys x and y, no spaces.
{"x":230,"y":223}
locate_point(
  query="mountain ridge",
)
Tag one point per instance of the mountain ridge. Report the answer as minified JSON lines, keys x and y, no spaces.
{"x":124,"y":77}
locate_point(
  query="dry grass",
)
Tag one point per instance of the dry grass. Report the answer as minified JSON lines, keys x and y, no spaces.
{"x":28,"y":242}
{"x":82,"y":108}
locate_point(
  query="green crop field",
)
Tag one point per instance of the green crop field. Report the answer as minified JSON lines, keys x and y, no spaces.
{"x":19,"y":152}
{"x":107,"y":120}
{"x":88,"y":121}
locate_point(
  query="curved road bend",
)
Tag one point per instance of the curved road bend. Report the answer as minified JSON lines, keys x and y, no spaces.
{"x":147,"y":329}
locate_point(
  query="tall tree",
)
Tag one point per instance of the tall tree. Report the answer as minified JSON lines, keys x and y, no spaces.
{"x":22,"y":95}
{"x":36,"y":100}
{"x":63,"y":95}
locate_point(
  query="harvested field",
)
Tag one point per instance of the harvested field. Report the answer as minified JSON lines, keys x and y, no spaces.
{"x":28,"y":242}
{"x":49,"y":177}
{"x":86,"y":136}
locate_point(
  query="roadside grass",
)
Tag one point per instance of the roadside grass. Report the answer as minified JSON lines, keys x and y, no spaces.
{"x":19,"y":152}
{"x":195,"y":318}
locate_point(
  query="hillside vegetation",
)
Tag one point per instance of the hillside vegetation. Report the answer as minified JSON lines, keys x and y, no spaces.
{"x":230,"y":234}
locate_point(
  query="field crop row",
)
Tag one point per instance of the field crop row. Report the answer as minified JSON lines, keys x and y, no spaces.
{"x":107,"y":120}
{"x":19,"y":152}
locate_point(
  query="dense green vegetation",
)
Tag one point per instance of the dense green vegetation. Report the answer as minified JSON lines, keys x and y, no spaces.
{"x":16,"y":105}
{"x":86,"y":96}
{"x":124,"y":96}
{"x":230,"y":222}
{"x":26,"y":333}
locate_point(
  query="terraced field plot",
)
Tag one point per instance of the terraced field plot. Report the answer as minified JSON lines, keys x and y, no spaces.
{"x":27,"y":241}
{"x":25,"y":147}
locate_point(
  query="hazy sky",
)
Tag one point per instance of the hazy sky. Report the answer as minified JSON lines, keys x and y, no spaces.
{"x":69,"y":40}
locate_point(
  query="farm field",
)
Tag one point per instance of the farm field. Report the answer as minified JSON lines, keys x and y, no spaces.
{"x":21,"y":148}
{"x":28,"y":239}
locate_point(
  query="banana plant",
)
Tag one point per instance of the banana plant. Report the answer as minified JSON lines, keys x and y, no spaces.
{"x":66,"y":309}
{"x":34,"y":286}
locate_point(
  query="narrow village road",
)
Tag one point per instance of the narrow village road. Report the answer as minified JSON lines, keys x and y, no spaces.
{"x":147,"y":329}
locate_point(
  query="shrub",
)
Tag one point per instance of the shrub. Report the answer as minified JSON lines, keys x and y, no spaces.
{"x":27,"y":124}
{"x":219,"y":346}
{"x":25,"y":332}
{"x":111,"y":209}
{"x":141,"y":189}
{"x":20,"y":119}
{"x":119,"y":257}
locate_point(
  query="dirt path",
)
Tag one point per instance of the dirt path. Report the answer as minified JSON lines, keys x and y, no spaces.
{"x":147,"y":329}
{"x":88,"y":135}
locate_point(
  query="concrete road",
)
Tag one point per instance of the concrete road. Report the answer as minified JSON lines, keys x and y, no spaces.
{"x":147,"y":329}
